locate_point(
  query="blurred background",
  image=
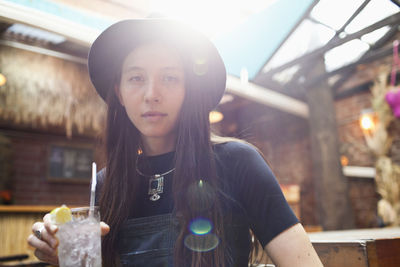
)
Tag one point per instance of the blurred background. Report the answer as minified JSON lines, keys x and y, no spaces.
{"x":313,"y":84}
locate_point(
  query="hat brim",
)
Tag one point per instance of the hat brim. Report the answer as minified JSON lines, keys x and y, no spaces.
{"x":112,"y":46}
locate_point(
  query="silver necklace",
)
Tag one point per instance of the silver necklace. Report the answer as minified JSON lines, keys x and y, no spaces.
{"x":156,"y":182}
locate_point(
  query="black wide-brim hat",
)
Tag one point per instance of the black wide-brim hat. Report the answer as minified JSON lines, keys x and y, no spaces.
{"x":112,"y":46}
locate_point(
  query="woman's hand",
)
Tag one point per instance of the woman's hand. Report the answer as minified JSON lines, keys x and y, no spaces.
{"x":45,"y":242}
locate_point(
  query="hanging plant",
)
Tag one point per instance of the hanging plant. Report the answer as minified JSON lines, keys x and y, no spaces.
{"x":380,"y":142}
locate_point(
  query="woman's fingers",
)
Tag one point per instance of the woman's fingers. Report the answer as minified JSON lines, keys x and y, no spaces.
{"x":52,"y":259}
{"x":41,"y":245}
{"x":48,"y":231}
{"x":43,"y":251}
{"x":50,"y":227}
{"x":44,"y":241}
{"x":104,"y":228}
{"x":42,"y":237}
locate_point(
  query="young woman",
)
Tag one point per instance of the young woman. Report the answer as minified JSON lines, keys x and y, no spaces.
{"x":171,"y":193}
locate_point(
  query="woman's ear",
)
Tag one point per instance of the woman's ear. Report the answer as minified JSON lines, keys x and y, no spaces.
{"x":118,"y":94}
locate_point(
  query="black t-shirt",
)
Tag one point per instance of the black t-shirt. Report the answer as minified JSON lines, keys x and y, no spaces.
{"x":251,"y":185}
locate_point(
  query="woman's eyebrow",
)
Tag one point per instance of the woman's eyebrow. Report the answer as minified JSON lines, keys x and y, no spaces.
{"x":136,"y":68}
{"x":132,"y":68}
{"x":172,"y":68}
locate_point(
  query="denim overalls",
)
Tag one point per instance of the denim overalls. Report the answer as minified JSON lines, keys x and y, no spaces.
{"x":149,"y":241}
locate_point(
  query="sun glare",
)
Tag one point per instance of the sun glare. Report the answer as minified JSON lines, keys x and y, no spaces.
{"x":209,"y":16}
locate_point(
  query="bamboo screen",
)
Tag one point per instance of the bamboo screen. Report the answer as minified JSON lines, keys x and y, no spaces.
{"x":44,"y":91}
{"x":14,"y":231}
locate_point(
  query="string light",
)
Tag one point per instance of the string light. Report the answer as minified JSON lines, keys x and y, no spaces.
{"x":3,"y":79}
{"x":367,"y":120}
{"x":215,"y":116}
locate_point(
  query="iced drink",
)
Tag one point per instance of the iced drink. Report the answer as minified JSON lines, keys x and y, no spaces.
{"x":80,"y":241}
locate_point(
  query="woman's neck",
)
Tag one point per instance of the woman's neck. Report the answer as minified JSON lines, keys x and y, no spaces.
{"x":153,"y":146}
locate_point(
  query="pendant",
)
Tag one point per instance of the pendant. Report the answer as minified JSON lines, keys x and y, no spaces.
{"x":156,"y":187}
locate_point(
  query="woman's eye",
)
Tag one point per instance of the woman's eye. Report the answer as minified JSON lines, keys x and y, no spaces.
{"x":136,"y":78}
{"x":171,"y":78}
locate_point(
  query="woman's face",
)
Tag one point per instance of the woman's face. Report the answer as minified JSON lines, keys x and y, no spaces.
{"x":152,"y":90}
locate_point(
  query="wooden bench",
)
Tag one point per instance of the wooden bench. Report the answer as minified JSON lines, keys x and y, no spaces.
{"x":353,"y":248}
{"x":358,"y":248}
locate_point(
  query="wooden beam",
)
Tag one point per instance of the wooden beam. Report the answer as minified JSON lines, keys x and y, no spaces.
{"x":391,"y":20}
{"x":305,"y":66}
{"x":372,"y":56}
{"x":73,"y":31}
{"x":305,"y":15}
{"x":355,"y":14}
{"x":378,"y":44}
{"x":354,"y":90}
{"x":361,"y":88}
{"x":396,"y":2}
{"x":44,"y":51}
{"x":330,"y":183}
{"x":267,"y":97}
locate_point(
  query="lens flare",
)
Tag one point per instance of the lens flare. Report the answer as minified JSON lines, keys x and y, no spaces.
{"x":201,"y":196}
{"x":200,"y":226}
{"x":200,"y":66}
{"x":201,"y":243}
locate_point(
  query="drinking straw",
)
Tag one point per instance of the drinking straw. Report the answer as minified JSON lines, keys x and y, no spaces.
{"x":93,"y":190}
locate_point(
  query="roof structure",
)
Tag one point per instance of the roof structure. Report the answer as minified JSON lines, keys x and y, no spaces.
{"x":345,"y":32}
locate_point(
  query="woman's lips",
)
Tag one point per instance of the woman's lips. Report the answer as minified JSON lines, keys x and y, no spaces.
{"x":153,"y":116}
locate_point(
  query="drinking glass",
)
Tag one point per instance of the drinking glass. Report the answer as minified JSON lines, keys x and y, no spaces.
{"x":80,"y":240}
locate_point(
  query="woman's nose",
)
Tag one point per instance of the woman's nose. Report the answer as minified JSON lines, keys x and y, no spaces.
{"x":152,"y":93}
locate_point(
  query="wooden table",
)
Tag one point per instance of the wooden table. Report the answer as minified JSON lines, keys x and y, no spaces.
{"x":358,"y":248}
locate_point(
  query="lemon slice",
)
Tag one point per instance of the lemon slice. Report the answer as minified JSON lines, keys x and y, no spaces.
{"x":61,"y":215}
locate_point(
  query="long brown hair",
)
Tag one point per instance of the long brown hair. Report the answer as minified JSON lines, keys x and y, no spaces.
{"x":120,"y":187}
{"x":194,"y":161}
